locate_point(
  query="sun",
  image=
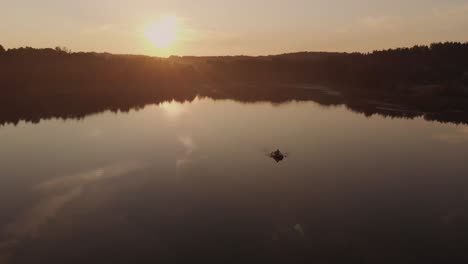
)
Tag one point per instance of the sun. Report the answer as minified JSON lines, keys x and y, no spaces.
{"x":163,"y":33}
{"x":172,"y":109}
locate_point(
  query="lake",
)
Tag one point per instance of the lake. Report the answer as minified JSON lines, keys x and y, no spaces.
{"x":193,"y":181}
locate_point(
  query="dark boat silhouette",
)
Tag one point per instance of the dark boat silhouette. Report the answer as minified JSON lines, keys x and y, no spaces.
{"x":277,"y":155}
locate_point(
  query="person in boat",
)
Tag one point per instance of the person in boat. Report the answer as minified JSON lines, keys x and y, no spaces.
{"x":277,"y":155}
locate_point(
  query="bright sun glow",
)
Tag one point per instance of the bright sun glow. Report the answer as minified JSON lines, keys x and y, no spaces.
{"x":172,"y":109}
{"x":163,"y":33}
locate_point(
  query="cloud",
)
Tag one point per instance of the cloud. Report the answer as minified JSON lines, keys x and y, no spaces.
{"x":453,"y":12}
{"x":380,"y":23}
{"x":55,"y":194}
{"x":110,"y":30}
{"x":373,"y":31}
{"x":456,"y":137}
{"x":91,"y":176}
{"x":97,"y":30}
{"x":45,"y":209}
{"x":189,"y":147}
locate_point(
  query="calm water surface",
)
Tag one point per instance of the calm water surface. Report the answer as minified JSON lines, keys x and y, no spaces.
{"x":181,"y":182}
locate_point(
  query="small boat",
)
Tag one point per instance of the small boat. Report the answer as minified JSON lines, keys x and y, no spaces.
{"x":277,"y":155}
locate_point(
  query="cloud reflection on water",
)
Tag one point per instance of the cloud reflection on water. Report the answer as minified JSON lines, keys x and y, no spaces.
{"x":458,"y":136}
{"x":55,"y":195}
{"x":189,"y":147}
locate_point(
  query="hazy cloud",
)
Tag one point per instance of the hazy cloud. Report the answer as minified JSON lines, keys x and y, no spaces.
{"x":55,"y":195}
{"x":189,"y":147}
{"x":456,"y":137}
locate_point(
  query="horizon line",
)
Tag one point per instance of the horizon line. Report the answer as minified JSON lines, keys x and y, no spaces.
{"x":238,"y":55}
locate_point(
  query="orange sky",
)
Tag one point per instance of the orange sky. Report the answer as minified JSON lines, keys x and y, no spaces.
{"x":250,"y":27}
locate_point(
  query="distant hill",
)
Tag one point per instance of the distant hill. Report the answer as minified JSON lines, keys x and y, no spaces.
{"x":440,"y":69}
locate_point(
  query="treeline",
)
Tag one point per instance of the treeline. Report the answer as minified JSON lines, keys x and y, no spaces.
{"x":438,"y":69}
{"x":49,"y":72}
{"x":429,"y":81}
{"x":35,"y":109}
{"x":44,"y":83}
{"x":441,"y":68}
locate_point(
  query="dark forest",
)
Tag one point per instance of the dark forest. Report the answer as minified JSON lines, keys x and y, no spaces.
{"x":429,"y":81}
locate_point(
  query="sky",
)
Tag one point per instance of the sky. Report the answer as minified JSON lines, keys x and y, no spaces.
{"x":236,"y":27}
